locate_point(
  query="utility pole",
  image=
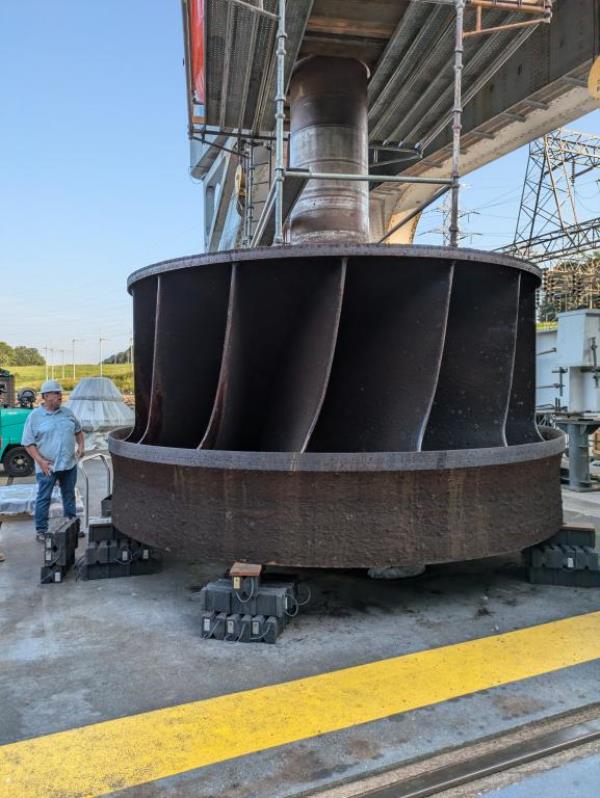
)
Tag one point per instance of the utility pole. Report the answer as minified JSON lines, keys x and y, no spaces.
{"x":46,"y":349}
{"x":446,"y":231}
{"x":52,"y":364}
{"x":73,"y":342}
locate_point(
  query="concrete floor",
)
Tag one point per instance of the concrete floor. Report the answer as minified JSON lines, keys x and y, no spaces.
{"x":82,"y":652}
{"x":580,"y":779}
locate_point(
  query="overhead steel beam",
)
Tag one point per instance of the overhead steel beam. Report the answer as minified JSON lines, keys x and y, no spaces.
{"x":479,"y":80}
{"x":555,"y":76}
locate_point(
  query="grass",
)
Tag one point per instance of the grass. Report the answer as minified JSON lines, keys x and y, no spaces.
{"x":34,"y":376}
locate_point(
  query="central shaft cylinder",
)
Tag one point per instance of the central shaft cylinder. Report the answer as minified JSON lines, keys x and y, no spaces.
{"x":329,"y":133}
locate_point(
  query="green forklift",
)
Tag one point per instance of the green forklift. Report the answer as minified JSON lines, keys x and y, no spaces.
{"x":13,"y":415}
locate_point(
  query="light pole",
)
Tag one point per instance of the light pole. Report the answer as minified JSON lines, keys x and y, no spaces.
{"x":101,"y":341}
{"x":52,"y":364}
{"x":46,"y":349}
{"x":63,"y":363}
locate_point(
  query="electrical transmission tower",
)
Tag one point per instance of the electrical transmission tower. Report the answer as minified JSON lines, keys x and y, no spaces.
{"x":550,"y":224}
{"x":445,"y":209}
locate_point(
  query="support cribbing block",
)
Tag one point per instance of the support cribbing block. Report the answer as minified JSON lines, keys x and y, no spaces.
{"x":216,"y":596}
{"x":93,"y":568}
{"x":106,"y":506}
{"x":273,"y":598}
{"x":52,"y":573}
{"x":218,"y":629}
{"x":272,"y":629}
{"x":260,"y":614}
{"x":107,"y":546}
{"x":142,"y":567}
{"x":104,"y":551}
{"x":59,"y":550}
{"x":245,"y":629}
{"x":101,"y":528}
{"x":233,"y":624}
{"x":567,"y":558}
{"x":550,"y":576}
{"x":552,"y":557}
{"x":575,"y":535}
{"x":103,"y":570}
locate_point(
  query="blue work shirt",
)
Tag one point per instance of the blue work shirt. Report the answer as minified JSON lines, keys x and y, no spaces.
{"x":54,"y":435}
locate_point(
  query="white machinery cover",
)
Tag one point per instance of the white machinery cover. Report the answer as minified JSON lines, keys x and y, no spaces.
{"x":99,"y":406}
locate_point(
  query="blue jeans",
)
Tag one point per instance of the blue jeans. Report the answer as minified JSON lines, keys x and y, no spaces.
{"x":66,"y":480}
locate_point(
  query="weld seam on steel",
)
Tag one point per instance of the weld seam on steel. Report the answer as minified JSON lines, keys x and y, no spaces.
{"x":514,"y":361}
{"x":313,"y":424}
{"x":152,"y":401}
{"x":440,"y":358}
{"x":212,"y":428}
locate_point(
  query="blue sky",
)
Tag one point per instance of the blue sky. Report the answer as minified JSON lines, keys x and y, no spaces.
{"x":494,"y":192}
{"x":94,"y":162}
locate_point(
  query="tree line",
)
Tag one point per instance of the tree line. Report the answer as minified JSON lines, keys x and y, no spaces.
{"x":119,"y":357}
{"x":19,"y":356}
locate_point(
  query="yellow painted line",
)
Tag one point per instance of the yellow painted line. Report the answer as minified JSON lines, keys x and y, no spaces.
{"x":94,"y":760}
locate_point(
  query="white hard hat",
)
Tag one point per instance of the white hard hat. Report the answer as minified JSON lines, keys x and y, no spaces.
{"x":49,"y":386}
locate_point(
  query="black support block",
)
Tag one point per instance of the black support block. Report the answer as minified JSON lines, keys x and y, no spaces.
{"x":568,"y":558}
{"x":59,"y":550}
{"x":110,"y":554}
{"x":256,"y":616}
{"x":106,"y":506}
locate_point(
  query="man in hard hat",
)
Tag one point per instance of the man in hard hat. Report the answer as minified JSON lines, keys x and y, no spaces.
{"x":54,"y":439}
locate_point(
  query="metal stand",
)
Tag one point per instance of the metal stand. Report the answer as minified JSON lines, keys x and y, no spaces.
{"x":579,"y":431}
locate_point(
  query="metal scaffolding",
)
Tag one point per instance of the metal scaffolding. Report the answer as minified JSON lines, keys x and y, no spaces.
{"x":268,"y":226}
{"x":550,"y":224}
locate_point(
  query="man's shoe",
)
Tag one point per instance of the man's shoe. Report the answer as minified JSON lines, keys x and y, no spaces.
{"x":2,"y":557}
{"x":40,"y":536}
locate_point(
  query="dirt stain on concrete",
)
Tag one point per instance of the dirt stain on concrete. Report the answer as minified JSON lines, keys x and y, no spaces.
{"x":513,"y":705}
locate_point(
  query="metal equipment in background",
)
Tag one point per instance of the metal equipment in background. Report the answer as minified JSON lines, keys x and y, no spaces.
{"x":355,"y":405}
{"x":578,"y":431}
{"x":568,"y":385}
{"x":13,"y":416}
{"x":568,"y":363}
{"x":7,"y":388}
